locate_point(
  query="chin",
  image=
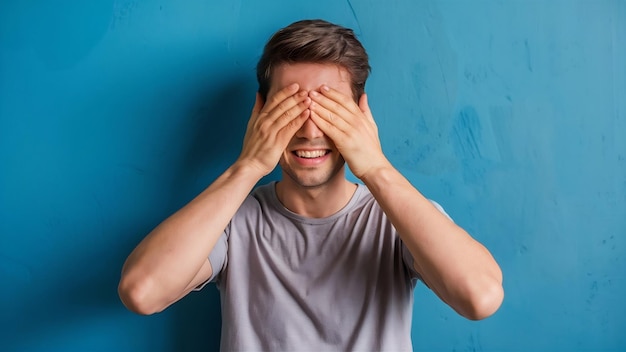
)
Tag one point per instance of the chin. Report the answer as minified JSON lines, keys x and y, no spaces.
{"x":307,"y":182}
{"x":310,"y":181}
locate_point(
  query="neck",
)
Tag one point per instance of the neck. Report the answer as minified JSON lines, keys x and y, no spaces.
{"x":315,"y":202}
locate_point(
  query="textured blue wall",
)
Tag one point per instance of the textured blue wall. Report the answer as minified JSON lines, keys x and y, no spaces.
{"x":114,"y":113}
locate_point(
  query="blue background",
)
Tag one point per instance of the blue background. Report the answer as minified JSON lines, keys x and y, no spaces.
{"x":511,"y":114}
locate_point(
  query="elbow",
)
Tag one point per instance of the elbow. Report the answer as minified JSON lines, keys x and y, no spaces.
{"x":136,"y":296}
{"x":484,"y":302}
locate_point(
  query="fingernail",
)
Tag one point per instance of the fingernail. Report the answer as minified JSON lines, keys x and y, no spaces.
{"x":303,"y":93}
{"x":325,"y":88}
{"x":314,"y":93}
{"x":293,"y":86}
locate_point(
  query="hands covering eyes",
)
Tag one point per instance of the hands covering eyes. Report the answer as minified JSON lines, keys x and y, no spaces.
{"x":350,"y":126}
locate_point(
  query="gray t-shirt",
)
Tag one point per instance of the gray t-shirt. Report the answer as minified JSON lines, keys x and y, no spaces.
{"x":291,"y":283}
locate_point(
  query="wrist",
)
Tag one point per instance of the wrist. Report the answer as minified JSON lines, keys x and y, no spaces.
{"x":377,"y":177}
{"x":246,"y":170}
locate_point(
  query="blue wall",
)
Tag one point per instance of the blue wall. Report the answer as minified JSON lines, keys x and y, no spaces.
{"x":114,"y":113}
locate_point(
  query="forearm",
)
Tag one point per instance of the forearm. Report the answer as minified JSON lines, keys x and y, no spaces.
{"x":163,"y":265}
{"x":459,"y":269}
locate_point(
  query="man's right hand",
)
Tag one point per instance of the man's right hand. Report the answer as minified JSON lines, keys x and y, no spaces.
{"x":272,"y":125}
{"x":173,"y":259}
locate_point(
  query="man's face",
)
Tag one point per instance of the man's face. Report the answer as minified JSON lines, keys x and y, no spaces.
{"x":311,"y":159}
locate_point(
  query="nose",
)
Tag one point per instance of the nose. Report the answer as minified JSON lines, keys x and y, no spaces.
{"x":309,"y":130}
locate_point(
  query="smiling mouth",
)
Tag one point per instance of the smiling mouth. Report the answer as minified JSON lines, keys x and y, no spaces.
{"x":311,"y":154}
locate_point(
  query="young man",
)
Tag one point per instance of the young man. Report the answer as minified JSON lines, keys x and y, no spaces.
{"x":313,"y":261}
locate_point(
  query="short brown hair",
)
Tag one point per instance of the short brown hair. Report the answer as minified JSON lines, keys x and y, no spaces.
{"x":314,"y":41}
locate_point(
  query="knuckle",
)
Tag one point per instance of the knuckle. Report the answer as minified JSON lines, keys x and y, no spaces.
{"x":276,"y":99}
{"x":282,"y":106}
{"x":293,"y":125}
{"x":288,"y":114}
{"x":262,"y":116}
{"x":264,"y":130}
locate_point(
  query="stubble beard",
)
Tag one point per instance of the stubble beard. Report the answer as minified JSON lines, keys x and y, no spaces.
{"x":317,"y":180}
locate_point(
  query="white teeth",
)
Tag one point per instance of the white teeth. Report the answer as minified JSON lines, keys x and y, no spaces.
{"x":309,"y":154}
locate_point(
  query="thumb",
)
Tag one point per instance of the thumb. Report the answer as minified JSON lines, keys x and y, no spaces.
{"x":364,"y":106}
{"x":258,"y":104}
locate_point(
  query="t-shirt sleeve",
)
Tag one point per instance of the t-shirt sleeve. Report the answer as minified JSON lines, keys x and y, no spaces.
{"x":440,"y":208}
{"x":219,"y":255}
{"x":218,"y":259}
{"x":408,"y":257}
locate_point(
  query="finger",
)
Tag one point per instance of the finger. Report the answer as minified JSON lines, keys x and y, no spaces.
{"x":256,"y":109}
{"x":294,"y":101}
{"x":346,"y":102}
{"x":329,"y":129}
{"x":330,"y":117}
{"x":258,"y":104}
{"x":365,"y":108}
{"x":280,"y":96}
{"x":292,"y":113}
{"x":330,"y":105}
{"x":288,"y":131}
{"x":288,"y":109}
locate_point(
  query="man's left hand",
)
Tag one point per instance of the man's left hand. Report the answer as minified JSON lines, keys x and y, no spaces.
{"x":351,"y":127}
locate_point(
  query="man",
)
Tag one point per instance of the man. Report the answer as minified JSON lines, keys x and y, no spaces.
{"x":312,"y":262}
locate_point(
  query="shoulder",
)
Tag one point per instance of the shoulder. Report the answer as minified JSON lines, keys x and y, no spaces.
{"x":259,"y":196}
{"x":365,"y":200}
{"x":261,"y":200}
